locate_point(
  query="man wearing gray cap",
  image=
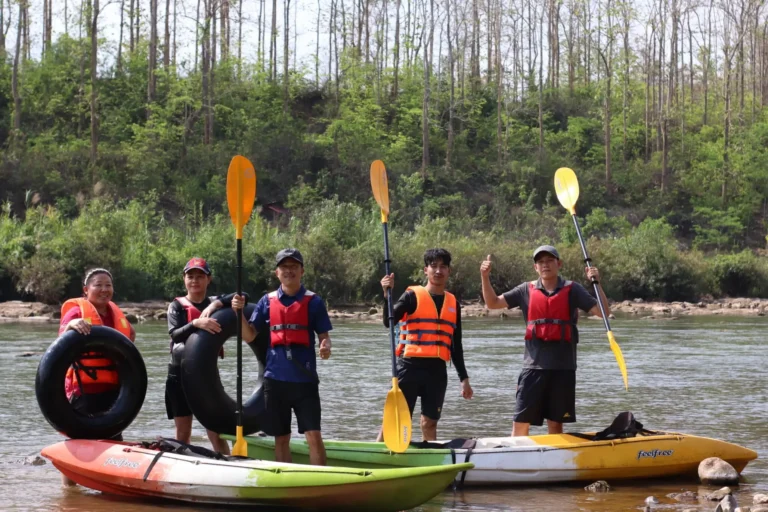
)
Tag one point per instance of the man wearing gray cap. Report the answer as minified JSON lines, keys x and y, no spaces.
{"x":546,"y":387}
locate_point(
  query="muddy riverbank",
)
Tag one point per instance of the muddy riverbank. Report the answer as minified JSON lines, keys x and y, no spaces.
{"x":37,"y":312}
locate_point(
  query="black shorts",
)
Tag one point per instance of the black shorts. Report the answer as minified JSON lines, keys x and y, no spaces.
{"x":545,"y":394}
{"x":282,"y":397}
{"x":428,"y":383}
{"x":176,"y":405}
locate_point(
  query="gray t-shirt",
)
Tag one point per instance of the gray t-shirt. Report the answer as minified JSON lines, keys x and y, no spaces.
{"x":549,"y":355}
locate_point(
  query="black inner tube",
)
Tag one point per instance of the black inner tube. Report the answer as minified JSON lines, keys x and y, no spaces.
{"x":51,"y":396}
{"x":207,"y":399}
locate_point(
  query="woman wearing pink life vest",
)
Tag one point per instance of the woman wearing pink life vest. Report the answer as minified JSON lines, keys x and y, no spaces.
{"x":92,"y":384}
{"x":185,"y":317}
{"x":546,"y":387}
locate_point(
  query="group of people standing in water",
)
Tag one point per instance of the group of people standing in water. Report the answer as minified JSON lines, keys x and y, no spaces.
{"x":297,"y":321}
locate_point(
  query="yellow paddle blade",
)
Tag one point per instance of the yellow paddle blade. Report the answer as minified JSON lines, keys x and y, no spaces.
{"x":567,"y":188}
{"x":380,"y":187}
{"x":240,"y":449}
{"x":619,"y":358}
{"x":397,"y":420}
{"x":241,"y":192}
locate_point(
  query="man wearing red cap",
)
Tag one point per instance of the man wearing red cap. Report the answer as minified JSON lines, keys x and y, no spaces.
{"x":546,"y":387}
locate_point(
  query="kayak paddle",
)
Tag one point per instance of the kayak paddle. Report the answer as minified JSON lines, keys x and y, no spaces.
{"x":241,"y":193}
{"x":397,"y":416}
{"x":567,"y":188}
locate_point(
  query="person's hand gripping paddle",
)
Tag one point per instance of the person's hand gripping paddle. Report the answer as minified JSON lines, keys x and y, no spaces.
{"x":241,"y":193}
{"x":567,"y":188}
{"x":397,"y":416}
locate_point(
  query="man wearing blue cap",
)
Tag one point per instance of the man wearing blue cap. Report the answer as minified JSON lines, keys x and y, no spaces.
{"x":546,"y":387}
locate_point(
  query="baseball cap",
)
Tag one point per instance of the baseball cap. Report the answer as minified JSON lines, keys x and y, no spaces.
{"x":198,"y":263}
{"x":546,"y":249}
{"x":289,"y":253}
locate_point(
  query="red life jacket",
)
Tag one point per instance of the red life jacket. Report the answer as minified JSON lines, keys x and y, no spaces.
{"x":192,"y":314}
{"x":289,"y":325}
{"x":549,"y":317}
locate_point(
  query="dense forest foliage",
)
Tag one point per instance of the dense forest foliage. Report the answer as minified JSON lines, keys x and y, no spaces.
{"x":115,"y":143}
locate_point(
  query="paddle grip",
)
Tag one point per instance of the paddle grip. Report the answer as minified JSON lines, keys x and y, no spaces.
{"x":239,"y":411}
{"x":588,"y":262}
{"x":390,"y":312}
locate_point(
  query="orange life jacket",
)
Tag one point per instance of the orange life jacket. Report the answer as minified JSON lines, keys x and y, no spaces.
{"x":93,"y":373}
{"x":289,"y":325}
{"x":549,"y":317}
{"x":424,"y":333}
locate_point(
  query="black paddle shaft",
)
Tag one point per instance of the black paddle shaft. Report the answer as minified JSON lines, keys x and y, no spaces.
{"x":239,"y":412}
{"x":390,"y":312}
{"x":588,"y":262}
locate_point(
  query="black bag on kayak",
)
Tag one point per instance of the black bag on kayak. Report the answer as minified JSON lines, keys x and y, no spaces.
{"x":625,"y":425}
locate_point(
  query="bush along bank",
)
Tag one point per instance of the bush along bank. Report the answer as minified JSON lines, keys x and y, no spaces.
{"x":44,"y":255}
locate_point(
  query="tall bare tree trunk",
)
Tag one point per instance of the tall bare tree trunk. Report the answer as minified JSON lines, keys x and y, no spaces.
{"x":273,"y":44}
{"x":396,"y":72}
{"x":705,"y":78}
{"x":131,"y":42}
{"x":224,"y":36}
{"x":15,"y":74}
{"x":152,"y":77}
{"x":205,"y":64}
{"x":286,"y":55}
{"x":626,"y":13}
{"x":728,"y":55}
{"x":175,"y":17}
{"x":120,"y":38}
{"x":2,"y":26}
{"x":94,"y":83}
{"x":449,"y":142}
{"x":541,"y":86}
{"x":317,"y":48}
{"x":167,"y":39}
{"x":198,"y":38}
{"x":425,"y":104}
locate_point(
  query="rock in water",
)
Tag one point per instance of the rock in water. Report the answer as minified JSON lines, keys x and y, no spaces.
{"x":599,"y":486}
{"x":727,"y":504}
{"x":759,"y":499}
{"x":716,"y":471}
{"x":718,"y":494}
{"x":684,"y":496}
{"x":34,"y":460}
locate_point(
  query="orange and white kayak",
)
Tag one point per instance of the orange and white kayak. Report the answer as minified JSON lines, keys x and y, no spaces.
{"x":133,"y":470}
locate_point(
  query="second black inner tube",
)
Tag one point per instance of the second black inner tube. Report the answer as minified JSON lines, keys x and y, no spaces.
{"x":207,"y":399}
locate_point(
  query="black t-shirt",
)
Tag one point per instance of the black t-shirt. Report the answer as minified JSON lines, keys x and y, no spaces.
{"x":406,"y":304}
{"x":549,"y":355}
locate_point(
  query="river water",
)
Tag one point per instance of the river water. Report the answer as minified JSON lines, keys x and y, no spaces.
{"x":701,"y":375}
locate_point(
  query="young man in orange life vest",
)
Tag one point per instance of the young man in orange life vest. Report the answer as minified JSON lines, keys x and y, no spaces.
{"x":293,"y":316}
{"x":428,"y":340}
{"x":546,"y":387}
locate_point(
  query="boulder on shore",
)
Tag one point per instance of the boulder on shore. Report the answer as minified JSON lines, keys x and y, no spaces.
{"x":715,"y":471}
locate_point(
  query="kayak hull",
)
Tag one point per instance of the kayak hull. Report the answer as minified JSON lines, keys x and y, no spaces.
{"x":536,"y":459}
{"x":129,"y":470}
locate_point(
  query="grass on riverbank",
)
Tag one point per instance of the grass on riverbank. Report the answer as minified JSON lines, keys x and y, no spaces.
{"x":44,"y":256}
